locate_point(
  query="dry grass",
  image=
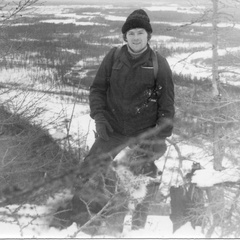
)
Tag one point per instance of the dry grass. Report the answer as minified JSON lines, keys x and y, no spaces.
{"x":28,"y":154}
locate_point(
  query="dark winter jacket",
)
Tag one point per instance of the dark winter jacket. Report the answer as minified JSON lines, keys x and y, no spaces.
{"x":124,"y":92}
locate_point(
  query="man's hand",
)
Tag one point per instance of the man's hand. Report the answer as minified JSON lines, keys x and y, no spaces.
{"x":164,"y":127}
{"x":102,"y":129}
{"x":102,"y":126}
{"x":159,"y":147}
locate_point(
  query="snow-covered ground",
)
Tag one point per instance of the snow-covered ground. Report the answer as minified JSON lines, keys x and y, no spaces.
{"x":30,"y":225}
{"x":192,"y":63}
{"x":30,"y":222}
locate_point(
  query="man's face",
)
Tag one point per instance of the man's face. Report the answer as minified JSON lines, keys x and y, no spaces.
{"x":137,"y":39}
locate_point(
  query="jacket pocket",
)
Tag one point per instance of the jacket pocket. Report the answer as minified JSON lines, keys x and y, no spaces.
{"x":147,"y":76}
{"x":117,"y":66}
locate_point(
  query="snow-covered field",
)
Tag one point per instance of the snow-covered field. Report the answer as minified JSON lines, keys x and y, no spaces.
{"x":191,"y":63}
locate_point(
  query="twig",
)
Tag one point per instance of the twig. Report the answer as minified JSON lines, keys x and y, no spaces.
{"x":93,"y":218}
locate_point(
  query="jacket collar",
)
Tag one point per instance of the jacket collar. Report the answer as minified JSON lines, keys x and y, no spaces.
{"x":125,"y":57}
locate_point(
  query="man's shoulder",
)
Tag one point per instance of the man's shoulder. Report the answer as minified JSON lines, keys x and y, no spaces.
{"x":160,"y":57}
{"x":114,"y":52}
{"x":117,"y":51}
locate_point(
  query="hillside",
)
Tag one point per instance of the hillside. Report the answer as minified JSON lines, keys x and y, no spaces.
{"x":29,"y":155}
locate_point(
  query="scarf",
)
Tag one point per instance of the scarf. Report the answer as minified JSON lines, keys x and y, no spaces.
{"x":135,"y":55}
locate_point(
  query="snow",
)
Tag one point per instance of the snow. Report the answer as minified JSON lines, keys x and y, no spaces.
{"x":175,"y":8}
{"x":210,"y":177}
{"x":181,"y":43}
{"x":206,"y":25}
{"x":31,"y":225}
{"x":115,"y":18}
{"x":31,"y":222}
{"x":72,"y":21}
{"x":161,"y":38}
{"x":192,"y":63}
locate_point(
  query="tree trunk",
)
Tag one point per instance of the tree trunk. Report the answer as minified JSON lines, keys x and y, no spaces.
{"x":215,"y":76}
{"x":217,"y":202}
{"x":218,"y":147}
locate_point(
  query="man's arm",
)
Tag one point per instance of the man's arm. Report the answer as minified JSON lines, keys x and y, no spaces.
{"x":166,"y":108}
{"x":98,"y":89}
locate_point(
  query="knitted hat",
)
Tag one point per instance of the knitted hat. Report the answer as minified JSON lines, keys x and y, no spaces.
{"x":137,"y":19}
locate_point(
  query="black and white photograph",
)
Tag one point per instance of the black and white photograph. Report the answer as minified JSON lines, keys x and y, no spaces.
{"x":119,"y":119}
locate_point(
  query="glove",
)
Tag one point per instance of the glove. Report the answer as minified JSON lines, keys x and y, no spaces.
{"x":164,"y":127}
{"x":159,"y":147}
{"x":157,"y":143}
{"x":102,"y":126}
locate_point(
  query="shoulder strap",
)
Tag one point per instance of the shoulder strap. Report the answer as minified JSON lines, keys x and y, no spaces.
{"x":116,"y":53}
{"x":114,"y":58}
{"x":155,"y":64}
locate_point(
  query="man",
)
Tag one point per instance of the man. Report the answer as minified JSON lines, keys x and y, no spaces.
{"x":126,"y":100}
